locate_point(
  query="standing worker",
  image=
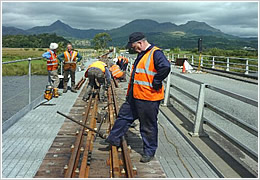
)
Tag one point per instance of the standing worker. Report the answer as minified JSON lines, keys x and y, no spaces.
{"x":52,"y":67}
{"x":145,"y":91}
{"x":96,"y":73}
{"x":71,"y":58}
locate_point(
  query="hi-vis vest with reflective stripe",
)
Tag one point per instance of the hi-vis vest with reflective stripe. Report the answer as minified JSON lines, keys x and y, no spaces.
{"x":98,"y":64}
{"x":143,"y":78}
{"x":125,"y":60}
{"x":52,"y":63}
{"x":116,"y":72}
{"x":70,"y":59}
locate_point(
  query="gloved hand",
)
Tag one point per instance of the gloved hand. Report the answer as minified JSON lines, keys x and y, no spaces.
{"x":157,"y":86}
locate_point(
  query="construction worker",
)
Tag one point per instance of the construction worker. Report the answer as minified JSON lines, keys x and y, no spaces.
{"x":120,"y":60}
{"x":116,"y":72}
{"x":122,"y":63}
{"x":52,"y":67}
{"x":145,"y":91}
{"x":71,"y":57}
{"x":98,"y":77}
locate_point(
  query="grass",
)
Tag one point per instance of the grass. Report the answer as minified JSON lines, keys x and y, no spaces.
{"x":38,"y":66}
{"x":21,"y":68}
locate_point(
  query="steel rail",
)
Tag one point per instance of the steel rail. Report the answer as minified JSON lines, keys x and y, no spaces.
{"x":125,"y":151}
{"x":85,"y":165}
{"x":70,"y":172}
{"x":79,"y":84}
{"x":114,"y":161}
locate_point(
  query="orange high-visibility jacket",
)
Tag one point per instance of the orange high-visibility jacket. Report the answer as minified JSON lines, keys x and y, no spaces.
{"x":116,"y":72}
{"x":120,"y":58}
{"x":143,"y":78}
{"x":125,"y":60}
{"x":97,"y":64}
{"x":72,"y":58}
{"x":52,"y":63}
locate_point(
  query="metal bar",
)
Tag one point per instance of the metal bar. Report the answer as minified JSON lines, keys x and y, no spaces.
{"x":198,"y":124}
{"x":247,"y":68}
{"x":234,"y":120}
{"x":126,"y":156}
{"x":233,"y":95}
{"x":29,"y":74}
{"x":84,"y":170}
{"x":234,"y":141}
{"x":227,"y":64}
{"x":186,"y":78}
{"x":167,"y":92}
{"x":72,"y":119}
{"x":229,"y":117}
{"x":114,"y":99}
{"x":73,"y":158}
{"x":21,"y":60}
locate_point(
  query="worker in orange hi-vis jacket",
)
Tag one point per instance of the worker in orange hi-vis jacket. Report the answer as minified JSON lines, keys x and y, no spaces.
{"x":145,"y":91}
{"x":52,"y":67}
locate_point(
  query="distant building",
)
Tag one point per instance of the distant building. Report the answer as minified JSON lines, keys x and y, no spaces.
{"x":249,"y":48}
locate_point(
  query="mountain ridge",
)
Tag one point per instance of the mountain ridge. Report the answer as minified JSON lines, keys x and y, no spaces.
{"x":165,"y":34}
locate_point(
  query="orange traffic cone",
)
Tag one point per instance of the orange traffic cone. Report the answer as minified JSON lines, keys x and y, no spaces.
{"x":183,"y":68}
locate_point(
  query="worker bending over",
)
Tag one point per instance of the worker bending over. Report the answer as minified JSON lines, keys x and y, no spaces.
{"x":71,"y":57}
{"x":116,"y":72}
{"x":122,"y":62}
{"x":52,"y":67}
{"x":98,"y":77}
{"x":145,"y":91}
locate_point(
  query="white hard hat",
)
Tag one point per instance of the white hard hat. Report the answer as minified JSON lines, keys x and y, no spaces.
{"x":54,"y":46}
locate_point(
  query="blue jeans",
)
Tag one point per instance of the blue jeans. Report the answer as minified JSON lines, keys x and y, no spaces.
{"x":146,"y":112}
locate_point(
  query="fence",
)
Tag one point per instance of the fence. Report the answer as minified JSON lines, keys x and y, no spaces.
{"x":16,"y":101}
{"x":18,"y":98}
{"x":200,"y":118}
{"x":229,"y":64}
{"x":201,"y":104}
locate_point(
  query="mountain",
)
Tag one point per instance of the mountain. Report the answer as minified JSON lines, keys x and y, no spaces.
{"x":164,"y":35}
{"x":64,"y":30}
{"x":13,"y":31}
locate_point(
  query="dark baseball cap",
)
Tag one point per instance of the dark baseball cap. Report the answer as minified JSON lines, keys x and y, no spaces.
{"x":134,"y":37}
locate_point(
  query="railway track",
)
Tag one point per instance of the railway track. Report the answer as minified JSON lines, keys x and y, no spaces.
{"x":85,"y":135}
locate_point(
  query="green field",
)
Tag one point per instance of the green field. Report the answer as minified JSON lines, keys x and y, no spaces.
{"x":21,"y":68}
{"x":38,"y":66}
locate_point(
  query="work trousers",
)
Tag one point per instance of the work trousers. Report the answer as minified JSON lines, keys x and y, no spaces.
{"x":146,"y":112}
{"x":96,"y":79}
{"x":53,"y":78}
{"x":66,"y":78}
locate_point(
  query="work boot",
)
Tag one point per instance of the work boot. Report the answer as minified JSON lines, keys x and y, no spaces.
{"x":73,"y":90}
{"x":86,"y":97}
{"x":133,"y":125}
{"x":146,"y":158}
{"x":65,"y":90}
{"x":56,"y":92}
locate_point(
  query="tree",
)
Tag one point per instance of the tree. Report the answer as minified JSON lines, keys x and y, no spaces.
{"x":100,"y":40}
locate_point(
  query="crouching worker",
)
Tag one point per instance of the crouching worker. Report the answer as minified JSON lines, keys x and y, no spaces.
{"x":98,"y":77}
{"x":116,"y":72}
{"x":52,"y":67}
